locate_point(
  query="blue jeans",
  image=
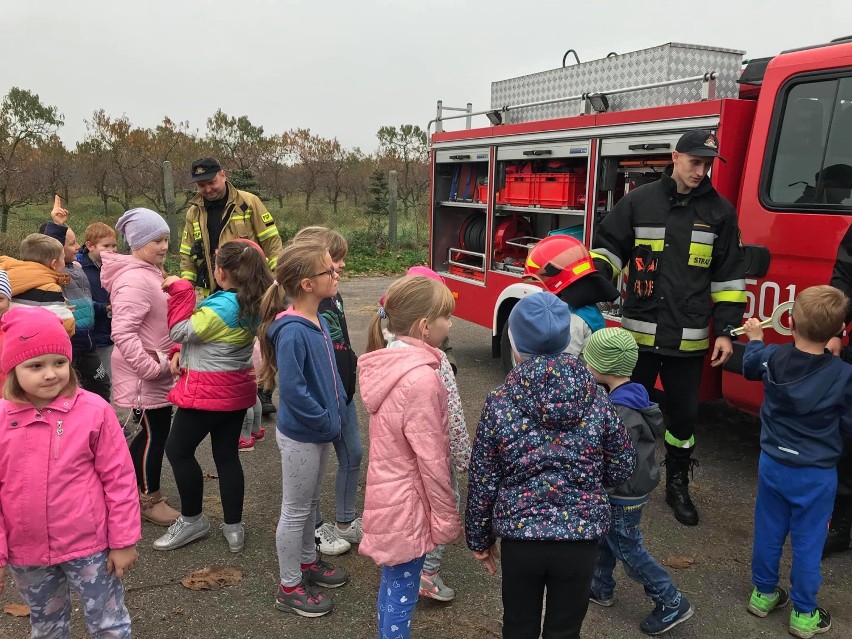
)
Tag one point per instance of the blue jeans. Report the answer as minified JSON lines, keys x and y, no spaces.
{"x":349,"y":453}
{"x":623,"y":542}
{"x":797,"y":500}
{"x":399,"y":588}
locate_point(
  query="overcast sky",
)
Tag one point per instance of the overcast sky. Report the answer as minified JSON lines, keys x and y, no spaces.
{"x":346,"y":67}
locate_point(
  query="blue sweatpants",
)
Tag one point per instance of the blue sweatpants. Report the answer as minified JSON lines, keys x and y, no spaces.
{"x":798,"y":501}
{"x":398,"y":591}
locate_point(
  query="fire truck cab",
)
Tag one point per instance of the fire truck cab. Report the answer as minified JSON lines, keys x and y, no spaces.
{"x":563,"y":146}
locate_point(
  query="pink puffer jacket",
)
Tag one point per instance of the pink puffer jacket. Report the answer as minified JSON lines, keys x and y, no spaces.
{"x":140,"y":330}
{"x":409,"y":507}
{"x":67,"y":484}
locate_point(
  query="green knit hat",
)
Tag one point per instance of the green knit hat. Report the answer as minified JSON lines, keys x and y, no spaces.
{"x":612,"y":351}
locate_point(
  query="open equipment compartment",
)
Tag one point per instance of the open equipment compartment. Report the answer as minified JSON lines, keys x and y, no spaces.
{"x":459,"y":212}
{"x":540,"y":191}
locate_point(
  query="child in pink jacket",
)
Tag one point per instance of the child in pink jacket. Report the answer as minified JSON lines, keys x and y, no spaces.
{"x":62,"y":449}
{"x":141,"y":378}
{"x":409,"y":507}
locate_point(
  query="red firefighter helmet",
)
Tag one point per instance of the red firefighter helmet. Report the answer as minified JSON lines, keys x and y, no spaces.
{"x":558,"y":261}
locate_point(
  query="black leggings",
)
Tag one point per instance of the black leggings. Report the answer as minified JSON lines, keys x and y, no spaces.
{"x":188,"y":431}
{"x":565,"y":568}
{"x":147,"y":447}
{"x":681,"y":378}
{"x":92,"y":374}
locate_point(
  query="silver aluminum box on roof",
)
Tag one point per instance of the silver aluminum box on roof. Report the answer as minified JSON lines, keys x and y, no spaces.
{"x":658,"y":64}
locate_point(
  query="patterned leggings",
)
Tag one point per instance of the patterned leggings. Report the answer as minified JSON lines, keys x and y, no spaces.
{"x":398,"y":592}
{"x":47,"y":591}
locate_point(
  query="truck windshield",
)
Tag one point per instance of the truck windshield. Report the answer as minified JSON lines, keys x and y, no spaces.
{"x":812,"y":162}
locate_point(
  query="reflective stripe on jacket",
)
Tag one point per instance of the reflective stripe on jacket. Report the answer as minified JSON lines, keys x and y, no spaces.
{"x":244,"y":216}
{"x":684,"y":265}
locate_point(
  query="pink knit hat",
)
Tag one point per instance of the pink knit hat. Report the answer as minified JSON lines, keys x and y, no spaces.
{"x":31,"y":332}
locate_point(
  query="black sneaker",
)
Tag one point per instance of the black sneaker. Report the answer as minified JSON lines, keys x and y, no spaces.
{"x":595,"y":598}
{"x":664,"y":618}
{"x":266,"y":405}
{"x":304,"y":601}
{"x":326,"y":575}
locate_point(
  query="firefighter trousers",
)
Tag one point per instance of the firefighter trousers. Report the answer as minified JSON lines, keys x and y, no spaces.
{"x":681,"y":380}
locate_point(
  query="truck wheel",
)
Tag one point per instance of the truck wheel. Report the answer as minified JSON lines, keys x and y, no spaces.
{"x":506,"y":348}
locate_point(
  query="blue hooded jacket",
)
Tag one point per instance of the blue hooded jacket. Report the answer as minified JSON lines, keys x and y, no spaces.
{"x":807,"y":403}
{"x":100,"y":298}
{"x":312,"y":401}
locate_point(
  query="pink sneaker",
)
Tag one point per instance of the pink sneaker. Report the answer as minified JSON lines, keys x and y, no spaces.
{"x":246,"y":445}
{"x":259,"y":435}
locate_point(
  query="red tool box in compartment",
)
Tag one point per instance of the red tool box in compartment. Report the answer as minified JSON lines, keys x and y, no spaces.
{"x":559,"y":190}
{"x":520,"y":190}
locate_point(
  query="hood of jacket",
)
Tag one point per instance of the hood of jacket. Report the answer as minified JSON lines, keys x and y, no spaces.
{"x":380,"y":370}
{"x":800,"y":395}
{"x":539,"y":390}
{"x":113,"y":265}
{"x":632,"y":395}
{"x":24,"y":275}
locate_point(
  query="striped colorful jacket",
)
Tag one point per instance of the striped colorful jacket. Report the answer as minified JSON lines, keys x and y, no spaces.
{"x":216,"y":366}
{"x":35,"y":284}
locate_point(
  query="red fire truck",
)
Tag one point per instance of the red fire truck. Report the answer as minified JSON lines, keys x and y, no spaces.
{"x":563,"y":146}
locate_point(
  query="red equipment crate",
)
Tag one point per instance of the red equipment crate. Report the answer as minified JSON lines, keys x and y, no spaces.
{"x":559,"y":190}
{"x":520,"y":190}
{"x":482,"y":193}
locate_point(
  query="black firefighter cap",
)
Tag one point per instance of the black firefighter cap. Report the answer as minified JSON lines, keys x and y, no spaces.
{"x":205,"y":169}
{"x":701,"y":143}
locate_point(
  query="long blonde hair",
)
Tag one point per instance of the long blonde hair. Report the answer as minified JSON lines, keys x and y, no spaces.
{"x":297,"y":261}
{"x":409,"y":300}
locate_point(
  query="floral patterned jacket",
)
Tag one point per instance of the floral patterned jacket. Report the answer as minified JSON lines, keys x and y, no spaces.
{"x":547,"y":442}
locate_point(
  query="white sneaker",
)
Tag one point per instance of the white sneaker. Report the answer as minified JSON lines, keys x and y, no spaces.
{"x":330,"y":542}
{"x":352,"y":534}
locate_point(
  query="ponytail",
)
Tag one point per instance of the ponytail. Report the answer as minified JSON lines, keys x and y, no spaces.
{"x":296,"y":262}
{"x":375,"y":337}
{"x":247,"y":267}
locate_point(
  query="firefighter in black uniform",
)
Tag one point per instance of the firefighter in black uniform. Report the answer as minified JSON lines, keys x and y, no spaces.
{"x":841,"y":518}
{"x":679,"y":241}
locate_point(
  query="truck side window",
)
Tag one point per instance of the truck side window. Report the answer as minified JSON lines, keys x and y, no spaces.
{"x":812,"y":161}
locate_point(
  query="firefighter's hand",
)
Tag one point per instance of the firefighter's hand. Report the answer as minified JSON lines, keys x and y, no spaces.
{"x":722,"y":351}
{"x":834,"y":345}
{"x":487,"y":558}
{"x":58,"y":214}
{"x":753,"y":329}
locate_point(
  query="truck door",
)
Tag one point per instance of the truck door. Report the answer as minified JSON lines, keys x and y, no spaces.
{"x":797,"y":189}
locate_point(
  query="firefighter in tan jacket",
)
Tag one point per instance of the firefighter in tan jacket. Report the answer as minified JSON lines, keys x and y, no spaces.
{"x":218,"y":214}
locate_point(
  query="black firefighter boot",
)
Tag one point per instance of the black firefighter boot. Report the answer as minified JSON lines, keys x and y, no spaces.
{"x":266,"y":405}
{"x":677,"y":489}
{"x":840,"y":526}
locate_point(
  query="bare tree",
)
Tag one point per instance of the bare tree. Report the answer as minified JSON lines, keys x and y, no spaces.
{"x":24,"y":124}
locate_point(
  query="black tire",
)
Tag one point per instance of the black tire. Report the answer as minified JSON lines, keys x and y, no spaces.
{"x":506,"y":348}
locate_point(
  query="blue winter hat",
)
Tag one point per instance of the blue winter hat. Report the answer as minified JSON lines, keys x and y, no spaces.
{"x":540,"y":324}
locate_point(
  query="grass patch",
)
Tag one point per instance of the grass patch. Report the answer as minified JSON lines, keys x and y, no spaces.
{"x":368,"y":250}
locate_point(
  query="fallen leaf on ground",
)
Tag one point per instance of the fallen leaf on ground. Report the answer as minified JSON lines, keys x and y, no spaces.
{"x":680,"y":563}
{"x":177,"y":610}
{"x":209,"y":476}
{"x":212,"y":578}
{"x":17,"y":610}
